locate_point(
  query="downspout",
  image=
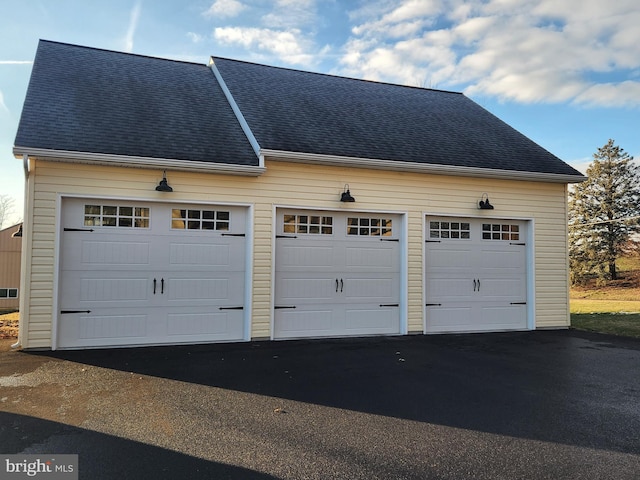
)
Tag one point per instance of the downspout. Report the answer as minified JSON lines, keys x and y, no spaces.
{"x":26,"y":237}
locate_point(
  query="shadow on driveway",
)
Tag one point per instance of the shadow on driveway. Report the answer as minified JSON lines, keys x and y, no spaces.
{"x":555,"y":386}
{"x":114,"y":457}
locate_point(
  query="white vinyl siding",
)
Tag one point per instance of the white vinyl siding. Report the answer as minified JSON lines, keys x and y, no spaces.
{"x":295,"y":185}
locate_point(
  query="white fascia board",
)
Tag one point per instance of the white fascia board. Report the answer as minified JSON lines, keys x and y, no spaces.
{"x":138,"y":162}
{"x":234,"y":106}
{"x":338,"y":161}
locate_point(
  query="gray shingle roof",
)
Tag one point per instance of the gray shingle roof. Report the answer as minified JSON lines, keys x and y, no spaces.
{"x":89,"y":100}
{"x":98,"y":101}
{"x":299,"y":111}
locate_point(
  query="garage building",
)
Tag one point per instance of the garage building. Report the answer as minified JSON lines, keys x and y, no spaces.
{"x":172,"y":202}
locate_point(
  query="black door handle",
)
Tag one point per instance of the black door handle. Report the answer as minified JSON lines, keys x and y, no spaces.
{"x":154,"y":286}
{"x":341,"y":285}
{"x":337,"y":285}
{"x":162,"y":286}
{"x":474,"y":284}
{"x":478,"y":284}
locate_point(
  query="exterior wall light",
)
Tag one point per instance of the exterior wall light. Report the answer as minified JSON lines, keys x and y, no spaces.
{"x":346,"y":195}
{"x":484,"y":204}
{"x":163,"y":186}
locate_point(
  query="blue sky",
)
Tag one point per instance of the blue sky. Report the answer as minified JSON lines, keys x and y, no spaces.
{"x":566,"y":73}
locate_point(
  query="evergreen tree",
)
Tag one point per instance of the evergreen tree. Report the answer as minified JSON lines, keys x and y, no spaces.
{"x":603,"y":214}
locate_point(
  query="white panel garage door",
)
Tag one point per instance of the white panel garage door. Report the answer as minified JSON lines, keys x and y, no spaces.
{"x":138,"y":274}
{"x":475,"y":275}
{"x":337,"y":274}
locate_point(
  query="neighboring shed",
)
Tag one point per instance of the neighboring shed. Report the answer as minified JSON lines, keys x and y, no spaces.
{"x":301,"y":205}
{"x":10,"y":248}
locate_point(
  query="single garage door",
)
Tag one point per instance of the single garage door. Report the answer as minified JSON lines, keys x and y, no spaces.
{"x":475,"y":275}
{"x":337,"y":274}
{"x":135,"y":273}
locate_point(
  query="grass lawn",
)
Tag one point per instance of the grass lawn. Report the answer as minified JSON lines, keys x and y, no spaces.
{"x":625,"y":324}
{"x":612,"y":309}
{"x":629,"y":264}
{"x":588,"y":305}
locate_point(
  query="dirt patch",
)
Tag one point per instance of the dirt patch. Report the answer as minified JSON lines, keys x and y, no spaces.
{"x":9,"y":326}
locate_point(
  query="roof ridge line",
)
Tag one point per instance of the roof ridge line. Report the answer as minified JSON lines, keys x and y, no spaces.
{"x":334,"y":75}
{"x":141,"y":55}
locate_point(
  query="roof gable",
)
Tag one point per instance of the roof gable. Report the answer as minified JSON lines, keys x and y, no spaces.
{"x":83,"y":99}
{"x":296,"y":111}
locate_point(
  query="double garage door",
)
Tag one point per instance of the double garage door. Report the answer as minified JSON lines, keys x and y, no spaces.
{"x":138,"y":274}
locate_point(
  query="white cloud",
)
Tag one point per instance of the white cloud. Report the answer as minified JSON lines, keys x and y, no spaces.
{"x":616,"y":95}
{"x":288,"y":45}
{"x":288,"y":31}
{"x":410,"y":62}
{"x":288,"y":14}
{"x":283,"y":14}
{"x":406,"y":19}
{"x":3,"y":106}
{"x":195,"y":37}
{"x":225,"y":9}
{"x":529,"y":51}
{"x":580,"y":164}
{"x":134,"y":17}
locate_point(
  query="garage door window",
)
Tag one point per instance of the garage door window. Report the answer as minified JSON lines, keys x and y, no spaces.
{"x":116,"y":216}
{"x":309,"y":224}
{"x":494,"y":231}
{"x":456,"y":230}
{"x":369,"y":227}
{"x":191,"y":219}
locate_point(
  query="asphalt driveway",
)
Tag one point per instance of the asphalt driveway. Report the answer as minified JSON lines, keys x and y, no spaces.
{"x":535,"y":405}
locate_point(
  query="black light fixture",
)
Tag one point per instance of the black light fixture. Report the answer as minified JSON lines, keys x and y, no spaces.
{"x":163,"y":186}
{"x":484,"y":204}
{"x":17,"y":233}
{"x":346,"y":195}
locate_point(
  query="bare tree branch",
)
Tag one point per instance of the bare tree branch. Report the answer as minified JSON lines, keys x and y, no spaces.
{"x":6,"y":208}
